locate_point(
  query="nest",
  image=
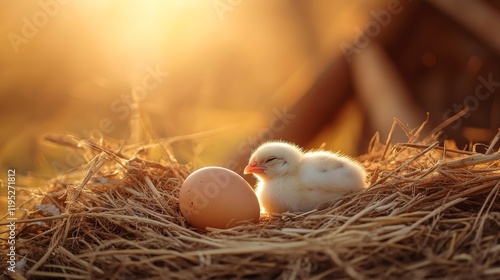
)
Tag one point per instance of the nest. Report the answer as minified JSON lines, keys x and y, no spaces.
{"x":431,"y":212}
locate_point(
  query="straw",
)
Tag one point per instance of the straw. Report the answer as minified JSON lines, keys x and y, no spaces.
{"x":431,"y":212}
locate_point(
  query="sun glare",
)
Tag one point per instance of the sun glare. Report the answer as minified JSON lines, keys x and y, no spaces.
{"x":145,"y":31}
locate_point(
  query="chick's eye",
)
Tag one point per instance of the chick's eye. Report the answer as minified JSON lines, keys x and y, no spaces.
{"x":271,"y":159}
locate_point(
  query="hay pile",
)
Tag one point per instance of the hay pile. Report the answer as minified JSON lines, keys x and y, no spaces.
{"x":431,"y":212}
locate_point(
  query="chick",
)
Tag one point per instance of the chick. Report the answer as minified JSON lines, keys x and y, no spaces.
{"x":290,"y":180}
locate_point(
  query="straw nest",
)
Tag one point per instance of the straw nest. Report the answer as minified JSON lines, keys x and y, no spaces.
{"x":430,"y":212}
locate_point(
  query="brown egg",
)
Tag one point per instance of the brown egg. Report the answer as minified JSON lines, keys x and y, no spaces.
{"x":219,"y":198}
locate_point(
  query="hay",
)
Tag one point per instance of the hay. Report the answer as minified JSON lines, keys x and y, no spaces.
{"x":431,"y":212}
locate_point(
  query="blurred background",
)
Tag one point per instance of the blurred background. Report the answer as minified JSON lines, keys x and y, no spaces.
{"x":222,"y":76}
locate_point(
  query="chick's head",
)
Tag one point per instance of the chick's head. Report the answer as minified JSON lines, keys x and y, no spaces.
{"x":274,"y":159}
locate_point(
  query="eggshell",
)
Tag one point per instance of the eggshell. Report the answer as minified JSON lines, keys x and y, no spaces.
{"x":217,"y":197}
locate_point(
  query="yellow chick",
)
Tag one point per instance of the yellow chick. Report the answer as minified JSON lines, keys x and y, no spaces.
{"x":290,"y":180}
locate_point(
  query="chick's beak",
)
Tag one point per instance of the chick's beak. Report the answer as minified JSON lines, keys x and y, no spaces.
{"x":254,"y":167}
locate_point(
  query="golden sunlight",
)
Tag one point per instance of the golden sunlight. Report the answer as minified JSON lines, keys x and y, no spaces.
{"x":152,"y":139}
{"x":220,"y":68}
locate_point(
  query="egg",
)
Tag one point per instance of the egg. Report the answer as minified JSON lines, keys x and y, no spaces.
{"x":217,"y":197}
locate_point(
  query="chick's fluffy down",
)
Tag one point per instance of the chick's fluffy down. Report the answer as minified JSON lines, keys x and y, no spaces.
{"x":290,"y":180}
